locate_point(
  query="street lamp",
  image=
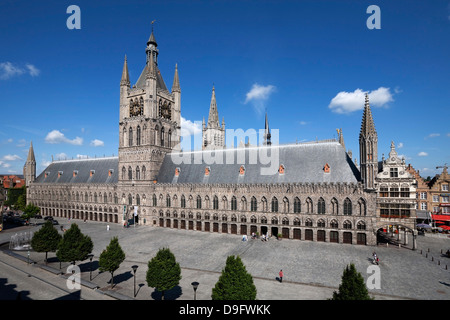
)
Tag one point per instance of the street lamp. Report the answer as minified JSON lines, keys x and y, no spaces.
{"x":90,"y":256}
{"x":134,"y":272}
{"x":195,"y":286}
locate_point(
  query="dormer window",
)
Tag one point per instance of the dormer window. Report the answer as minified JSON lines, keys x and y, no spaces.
{"x":75,"y":173}
{"x":207,"y":171}
{"x":91,"y":173}
{"x":177,"y":172}
{"x":281,"y":169}
{"x":242,"y":170}
{"x":60,"y":173}
{"x":110,"y":172}
{"x":47,"y":173}
{"x":326,"y":168}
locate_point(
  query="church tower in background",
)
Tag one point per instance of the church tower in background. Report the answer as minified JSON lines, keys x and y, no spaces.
{"x":29,"y":169}
{"x":213,"y":134}
{"x":368,"y":148}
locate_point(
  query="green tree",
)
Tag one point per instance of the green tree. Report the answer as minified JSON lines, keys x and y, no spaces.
{"x":111,"y":258}
{"x":30,"y":211}
{"x":21,"y":202}
{"x":74,"y":245}
{"x":163,"y":272}
{"x":352,"y":286}
{"x":235,"y":283}
{"x":46,"y":239}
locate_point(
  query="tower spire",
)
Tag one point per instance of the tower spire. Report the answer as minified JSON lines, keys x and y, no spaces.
{"x":213,"y":118}
{"x":368,"y":148}
{"x":31,"y":153}
{"x":176,"y":80}
{"x":267,"y":134}
{"x":125,"y":80}
{"x":29,"y":169}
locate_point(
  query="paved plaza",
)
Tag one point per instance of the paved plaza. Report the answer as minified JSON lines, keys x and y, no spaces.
{"x":312,"y":270}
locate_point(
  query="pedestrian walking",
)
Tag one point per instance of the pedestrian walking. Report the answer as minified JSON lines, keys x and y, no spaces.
{"x":107,"y":227}
{"x":280,"y":274}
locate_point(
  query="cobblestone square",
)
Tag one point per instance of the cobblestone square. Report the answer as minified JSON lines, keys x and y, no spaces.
{"x":312,"y":270}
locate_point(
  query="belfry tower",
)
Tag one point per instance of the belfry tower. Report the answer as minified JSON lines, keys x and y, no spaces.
{"x":368,"y":148}
{"x":150,"y":120}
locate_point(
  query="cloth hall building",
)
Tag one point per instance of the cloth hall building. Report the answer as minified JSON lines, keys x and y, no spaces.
{"x":306,"y":191}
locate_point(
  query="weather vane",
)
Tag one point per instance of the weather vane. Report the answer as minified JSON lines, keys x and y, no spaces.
{"x":152,"y":24}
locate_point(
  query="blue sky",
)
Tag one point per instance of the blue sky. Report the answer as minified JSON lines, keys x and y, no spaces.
{"x":308,"y":63}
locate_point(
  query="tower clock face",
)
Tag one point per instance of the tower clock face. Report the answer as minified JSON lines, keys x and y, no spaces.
{"x":135,"y":110}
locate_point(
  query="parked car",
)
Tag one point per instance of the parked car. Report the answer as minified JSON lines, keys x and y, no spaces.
{"x":38,"y":216}
{"x":48,"y":218}
{"x":55,"y":222}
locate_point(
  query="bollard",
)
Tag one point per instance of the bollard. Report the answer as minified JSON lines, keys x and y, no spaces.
{"x":426,"y":255}
{"x":439,"y":262}
{"x":432,"y":258}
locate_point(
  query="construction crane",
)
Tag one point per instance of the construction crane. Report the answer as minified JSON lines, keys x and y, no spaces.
{"x":444,"y":166}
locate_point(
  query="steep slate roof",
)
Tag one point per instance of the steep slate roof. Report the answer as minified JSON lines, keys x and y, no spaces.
{"x":159,"y":80}
{"x":84,"y":167}
{"x":303,"y":163}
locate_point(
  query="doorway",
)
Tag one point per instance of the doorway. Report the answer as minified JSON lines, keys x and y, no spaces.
{"x":274,"y":231}
{"x":264,"y":230}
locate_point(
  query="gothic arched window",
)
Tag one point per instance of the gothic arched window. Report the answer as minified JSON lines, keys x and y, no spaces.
{"x":130,"y":137}
{"x":347,"y":207}
{"x":215,"y":203}
{"x":297,"y":205}
{"x":321,"y":206}
{"x":138,"y":136}
{"x":274,"y":204}
{"x":199,"y":202}
{"x":138,"y":173}
{"x":169,"y":139}
{"x":233,"y":203}
{"x":253,"y":204}
{"x":162,"y":136}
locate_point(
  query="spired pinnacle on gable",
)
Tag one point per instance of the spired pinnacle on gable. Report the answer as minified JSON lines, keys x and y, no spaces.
{"x":125,"y":80}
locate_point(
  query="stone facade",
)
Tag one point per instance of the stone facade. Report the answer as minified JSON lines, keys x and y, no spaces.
{"x":317,"y":193}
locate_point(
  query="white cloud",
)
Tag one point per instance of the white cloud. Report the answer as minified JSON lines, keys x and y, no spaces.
{"x":11,"y":157}
{"x":400,"y":145}
{"x":97,"y":143}
{"x":45,"y":163}
{"x":258,"y":95}
{"x":422,"y":154}
{"x":32,"y":70}
{"x":9,"y":70}
{"x":433,"y":135}
{"x":61,"y":156}
{"x":189,"y":128}
{"x":21,"y":143}
{"x":57,"y":136}
{"x":346,"y":102}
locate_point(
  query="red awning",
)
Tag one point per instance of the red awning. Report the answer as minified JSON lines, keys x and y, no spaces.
{"x":445,"y":227}
{"x":441,"y":217}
